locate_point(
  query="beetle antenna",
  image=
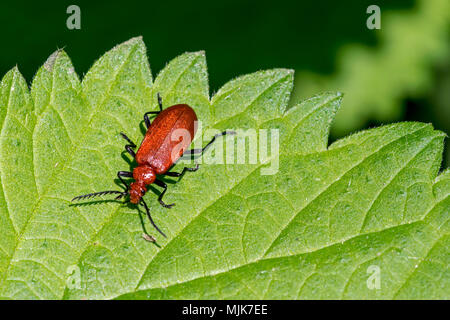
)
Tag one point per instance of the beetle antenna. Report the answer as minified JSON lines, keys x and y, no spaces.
{"x":101,"y":193}
{"x":150,"y":217}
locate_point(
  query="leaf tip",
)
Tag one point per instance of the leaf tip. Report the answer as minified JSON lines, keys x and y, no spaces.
{"x":135,"y":40}
{"x":200,"y":53}
{"x":50,"y":62}
{"x":14,"y":75}
{"x":285,"y":71}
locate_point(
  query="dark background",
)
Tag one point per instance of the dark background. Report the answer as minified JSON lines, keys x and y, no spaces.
{"x":238,"y":36}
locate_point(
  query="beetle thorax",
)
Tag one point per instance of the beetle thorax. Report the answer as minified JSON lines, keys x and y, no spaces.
{"x":143,"y":175}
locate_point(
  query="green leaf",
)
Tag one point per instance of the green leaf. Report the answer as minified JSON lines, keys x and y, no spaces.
{"x":313,"y":230}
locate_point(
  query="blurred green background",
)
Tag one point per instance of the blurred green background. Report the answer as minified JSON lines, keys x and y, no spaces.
{"x":400,"y":72}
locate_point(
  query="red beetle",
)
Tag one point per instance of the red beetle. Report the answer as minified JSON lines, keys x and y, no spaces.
{"x":158,"y":153}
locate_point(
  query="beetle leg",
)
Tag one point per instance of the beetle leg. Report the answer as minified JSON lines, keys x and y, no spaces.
{"x":146,"y":119}
{"x":129,"y":147}
{"x":159,"y":102}
{"x":125,"y":174}
{"x":132,"y":144}
{"x":164,"y":186}
{"x":130,"y":150}
{"x":189,"y":153}
{"x":150,"y":217}
{"x":180,"y":174}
